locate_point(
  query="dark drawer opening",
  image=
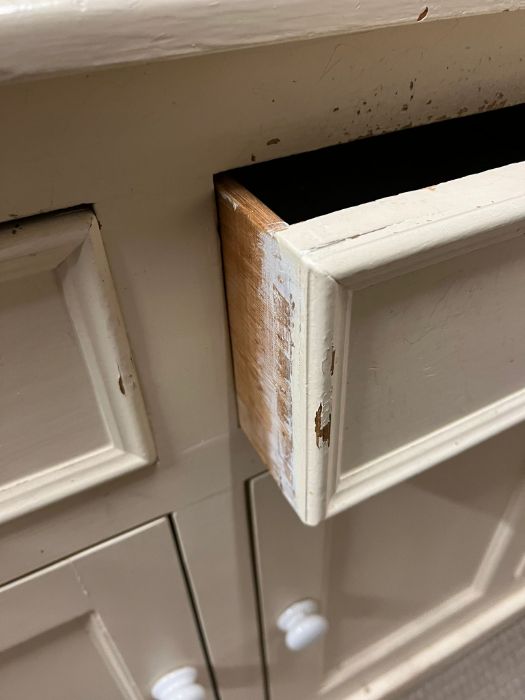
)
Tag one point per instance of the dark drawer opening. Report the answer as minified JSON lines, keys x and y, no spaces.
{"x":307,"y":185}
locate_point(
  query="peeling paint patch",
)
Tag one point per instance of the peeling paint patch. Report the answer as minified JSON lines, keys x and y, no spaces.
{"x":229,"y":199}
{"x":322,"y":431}
{"x":275,"y":357}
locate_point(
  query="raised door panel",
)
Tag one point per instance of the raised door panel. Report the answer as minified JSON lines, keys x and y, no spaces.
{"x":72,"y":414}
{"x":373,"y":342}
{"x":405,"y":579}
{"x":105,"y":624}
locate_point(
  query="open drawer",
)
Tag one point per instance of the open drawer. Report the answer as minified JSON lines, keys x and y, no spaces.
{"x":376,"y":316}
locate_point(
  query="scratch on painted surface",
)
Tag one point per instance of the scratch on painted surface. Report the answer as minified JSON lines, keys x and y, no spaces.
{"x":83,"y":588}
{"x":347,"y":238}
{"x":332,"y":61}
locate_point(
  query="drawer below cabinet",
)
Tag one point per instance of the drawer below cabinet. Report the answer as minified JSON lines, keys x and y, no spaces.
{"x":102,"y":625}
{"x":404,"y":579}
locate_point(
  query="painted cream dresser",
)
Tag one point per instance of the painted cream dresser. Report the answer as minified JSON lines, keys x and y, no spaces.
{"x":140,"y":530}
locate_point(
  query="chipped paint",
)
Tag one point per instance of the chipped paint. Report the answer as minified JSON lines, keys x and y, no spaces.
{"x":323,"y":426}
{"x":262,"y":310}
{"x":275,"y":358}
{"x":323,"y":415}
{"x":229,"y":199}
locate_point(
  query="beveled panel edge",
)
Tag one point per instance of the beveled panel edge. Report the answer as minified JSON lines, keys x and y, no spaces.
{"x":70,"y":243}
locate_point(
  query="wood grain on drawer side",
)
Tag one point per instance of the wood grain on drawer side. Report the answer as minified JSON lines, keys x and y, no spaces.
{"x":260,"y":306}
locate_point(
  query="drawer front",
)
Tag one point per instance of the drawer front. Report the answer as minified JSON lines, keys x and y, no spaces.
{"x":105,"y":624}
{"x":405,"y":579}
{"x":375,"y":342}
{"x":71,"y":407}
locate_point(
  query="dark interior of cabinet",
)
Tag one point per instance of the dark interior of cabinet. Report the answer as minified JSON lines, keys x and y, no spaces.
{"x":310,"y":184}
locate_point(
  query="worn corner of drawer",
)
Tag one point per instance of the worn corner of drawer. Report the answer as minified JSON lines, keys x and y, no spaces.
{"x":263,"y":313}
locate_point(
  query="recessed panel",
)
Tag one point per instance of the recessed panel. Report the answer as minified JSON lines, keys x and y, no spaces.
{"x":431,"y":347}
{"x":62,"y":664}
{"x":405,"y":579}
{"x":49,"y":408}
{"x":71,"y":410}
{"x":414,"y":551}
{"x":102,"y":625}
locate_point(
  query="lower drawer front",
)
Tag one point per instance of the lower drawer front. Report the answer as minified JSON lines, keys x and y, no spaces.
{"x":404,"y":579}
{"x":103,"y":625}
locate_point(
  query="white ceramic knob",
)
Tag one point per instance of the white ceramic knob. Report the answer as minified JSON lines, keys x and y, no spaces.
{"x":302,"y":624}
{"x":178,"y":685}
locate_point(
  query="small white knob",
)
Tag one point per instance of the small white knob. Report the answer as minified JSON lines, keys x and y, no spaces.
{"x":302,"y":624}
{"x":178,"y":685}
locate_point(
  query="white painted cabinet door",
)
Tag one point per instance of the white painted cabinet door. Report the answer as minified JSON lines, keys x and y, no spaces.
{"x":377,"y":341}
{"x":404,"y":579}
{"x":103,"y":625}
{"x":71,"y":409}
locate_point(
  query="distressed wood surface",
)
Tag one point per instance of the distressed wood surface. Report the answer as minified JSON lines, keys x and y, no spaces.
{"x":259,"y":310}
